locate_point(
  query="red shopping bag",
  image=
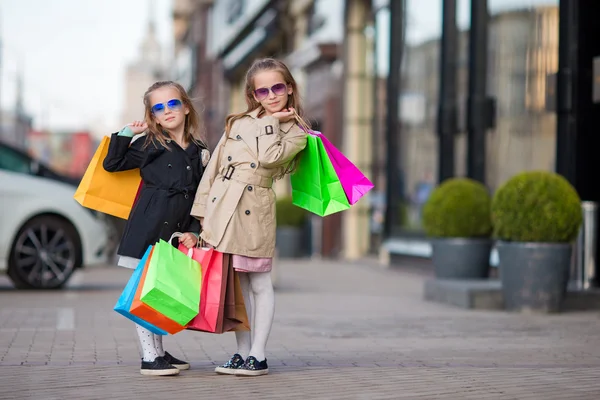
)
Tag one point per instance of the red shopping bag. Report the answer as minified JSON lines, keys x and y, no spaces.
{"x":222,"y":307}
{"x":212,"y":291}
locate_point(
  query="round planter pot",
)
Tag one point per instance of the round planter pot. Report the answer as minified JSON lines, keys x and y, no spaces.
{"x":289,"y":242}
{"x":461,"y":258}
{"x":534,"y":276}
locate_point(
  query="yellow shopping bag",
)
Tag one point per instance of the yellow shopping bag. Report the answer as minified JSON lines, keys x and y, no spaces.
{"x":112,"y":193}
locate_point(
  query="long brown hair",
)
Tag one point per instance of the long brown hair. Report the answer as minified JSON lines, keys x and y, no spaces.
{"x":191,"y":130}
{"x":270,"y":64}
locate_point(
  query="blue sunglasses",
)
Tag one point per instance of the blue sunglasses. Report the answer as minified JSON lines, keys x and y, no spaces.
{"x":173,"y":104}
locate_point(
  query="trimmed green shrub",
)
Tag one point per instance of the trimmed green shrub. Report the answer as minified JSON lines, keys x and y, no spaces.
{"x":536,"y":206}
{"x":289,"y":214}
{"x":459,"y":207}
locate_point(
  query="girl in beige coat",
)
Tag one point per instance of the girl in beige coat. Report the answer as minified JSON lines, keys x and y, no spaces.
{"x":236,"y":204}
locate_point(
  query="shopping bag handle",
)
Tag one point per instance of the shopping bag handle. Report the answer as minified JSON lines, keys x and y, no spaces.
{"x":190,"y":252}
{"x":200,"y":243}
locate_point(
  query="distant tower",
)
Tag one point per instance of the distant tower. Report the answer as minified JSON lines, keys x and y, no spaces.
{"x":150,"y":49}
{"x":143,"y":72}
{"x":19,"y":109}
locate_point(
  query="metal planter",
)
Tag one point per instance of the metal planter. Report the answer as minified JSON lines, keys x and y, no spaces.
{"x":461,"y":258}
{"x":534,"y":276}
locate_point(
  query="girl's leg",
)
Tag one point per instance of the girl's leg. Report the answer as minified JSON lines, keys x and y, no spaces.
{"x":264,"y":303}
{"x":147,"y":342}
{"x":152,"y":363}
{"x":244,"y":338}
{"x":158,"y":345}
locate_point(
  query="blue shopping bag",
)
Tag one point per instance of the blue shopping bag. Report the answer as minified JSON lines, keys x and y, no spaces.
{"x":124,"y":303}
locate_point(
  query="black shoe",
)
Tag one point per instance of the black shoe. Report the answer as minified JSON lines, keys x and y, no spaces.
{"x":181,"y":365}
{"x":252,"y":367}
{"x":230,"y":366}
{"x":158,"y":367}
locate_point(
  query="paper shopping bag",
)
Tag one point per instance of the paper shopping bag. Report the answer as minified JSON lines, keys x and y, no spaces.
{"x":147,"y":313}
{"x":235,"y":317}
{"x":124,"y":302}
{"x":354,"y":182}
{"x":172,"y":286}
{"x":212,"y":293}
{"x":112,"y":193}
{"x":315,"y":184}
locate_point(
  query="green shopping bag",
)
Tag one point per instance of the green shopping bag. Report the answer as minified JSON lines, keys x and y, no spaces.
{"x":315,"y":184}
{"x":172,"y":285}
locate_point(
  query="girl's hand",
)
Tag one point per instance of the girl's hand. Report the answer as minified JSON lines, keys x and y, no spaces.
{"x":188,"y":239}
{"x":138,"y":127}
{"x":285,"y":115}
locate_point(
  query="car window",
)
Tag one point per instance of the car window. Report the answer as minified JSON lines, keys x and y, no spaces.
{"x":10,"y":160}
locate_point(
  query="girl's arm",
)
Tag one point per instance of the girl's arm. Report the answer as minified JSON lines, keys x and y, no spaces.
{"x":122,"y":154}
{"x":210,"y":173}
{"x":277,"y":150}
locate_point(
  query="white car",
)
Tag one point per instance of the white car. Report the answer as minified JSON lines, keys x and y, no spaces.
{"x":45,"y":235}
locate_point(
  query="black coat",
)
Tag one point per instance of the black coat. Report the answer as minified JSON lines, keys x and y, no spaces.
{"x":170,"y":179}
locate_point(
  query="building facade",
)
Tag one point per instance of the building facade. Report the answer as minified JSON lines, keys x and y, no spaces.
{"x":225,"y":36}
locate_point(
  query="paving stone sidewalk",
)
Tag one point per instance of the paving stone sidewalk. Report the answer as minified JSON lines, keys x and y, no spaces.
{"x":342,"y":331}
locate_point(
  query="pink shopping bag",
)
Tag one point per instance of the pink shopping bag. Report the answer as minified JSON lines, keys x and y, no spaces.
{"x":354,"y":182}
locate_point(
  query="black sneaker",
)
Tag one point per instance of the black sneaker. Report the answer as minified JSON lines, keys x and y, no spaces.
{"x":252,"y":367}
{"x":158,"y":367}
{"x":230,"y":366}
{"x":181,"y":365}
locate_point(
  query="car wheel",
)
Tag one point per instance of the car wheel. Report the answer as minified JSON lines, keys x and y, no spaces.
{"x":45,"y":254}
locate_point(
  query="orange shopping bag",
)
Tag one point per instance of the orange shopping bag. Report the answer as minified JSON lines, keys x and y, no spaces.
{"x":149,"y":314}
{"x":112,"y":193}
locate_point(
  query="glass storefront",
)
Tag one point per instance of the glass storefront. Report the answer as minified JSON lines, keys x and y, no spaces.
{"x":522,"y":63}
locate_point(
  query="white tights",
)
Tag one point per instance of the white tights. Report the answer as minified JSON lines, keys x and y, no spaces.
{"x":152,"y":345}
{"x":259,"y":297}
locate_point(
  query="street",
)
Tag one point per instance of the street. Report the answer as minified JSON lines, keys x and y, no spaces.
{"x":341,"y":331}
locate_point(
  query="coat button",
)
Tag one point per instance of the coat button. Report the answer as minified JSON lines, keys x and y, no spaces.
{"x":166,"y":223}
{"x":238,"y":137}
{"x":247,"y":212}
{"x":188,"y":168}
{"x":170,"y":166}
{"x":178,"y":225}
{"x":214,"y":199}
{"x":253,"y":165}
{"x":249,"y":188}
{"x":229,"y":158}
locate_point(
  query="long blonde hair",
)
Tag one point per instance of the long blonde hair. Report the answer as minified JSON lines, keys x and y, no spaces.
{"x":191,"y":130}
{"x":271,"y":64}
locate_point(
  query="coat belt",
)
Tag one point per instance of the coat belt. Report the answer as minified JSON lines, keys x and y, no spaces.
{"x":187,"y":192}
{"x":245,"y":177}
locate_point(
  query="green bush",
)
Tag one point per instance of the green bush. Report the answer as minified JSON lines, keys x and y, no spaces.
{"x":536,"y":207}
{"x":459,"y":207}
{"x":289,"y":214}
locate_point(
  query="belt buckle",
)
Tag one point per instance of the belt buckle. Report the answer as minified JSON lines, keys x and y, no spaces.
{"x":229,"y":172}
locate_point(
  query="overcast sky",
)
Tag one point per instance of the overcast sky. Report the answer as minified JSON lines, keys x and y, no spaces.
{"x":73,"y":53}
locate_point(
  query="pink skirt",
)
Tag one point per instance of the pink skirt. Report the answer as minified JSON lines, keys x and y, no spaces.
{"x":251,"y":264}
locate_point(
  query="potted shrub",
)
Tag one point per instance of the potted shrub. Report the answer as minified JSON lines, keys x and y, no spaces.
{"x":536,"y":217}
{"x":457,"y":218}
{"x":290,"y":228}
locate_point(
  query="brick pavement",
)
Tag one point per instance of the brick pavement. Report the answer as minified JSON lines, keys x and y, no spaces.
{"x":342,"y":331}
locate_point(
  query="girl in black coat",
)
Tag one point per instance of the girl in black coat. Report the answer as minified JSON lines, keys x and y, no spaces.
{"x":171,"y":158}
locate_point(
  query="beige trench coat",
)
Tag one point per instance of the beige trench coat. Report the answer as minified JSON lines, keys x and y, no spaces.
{"x":235,"y":197}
